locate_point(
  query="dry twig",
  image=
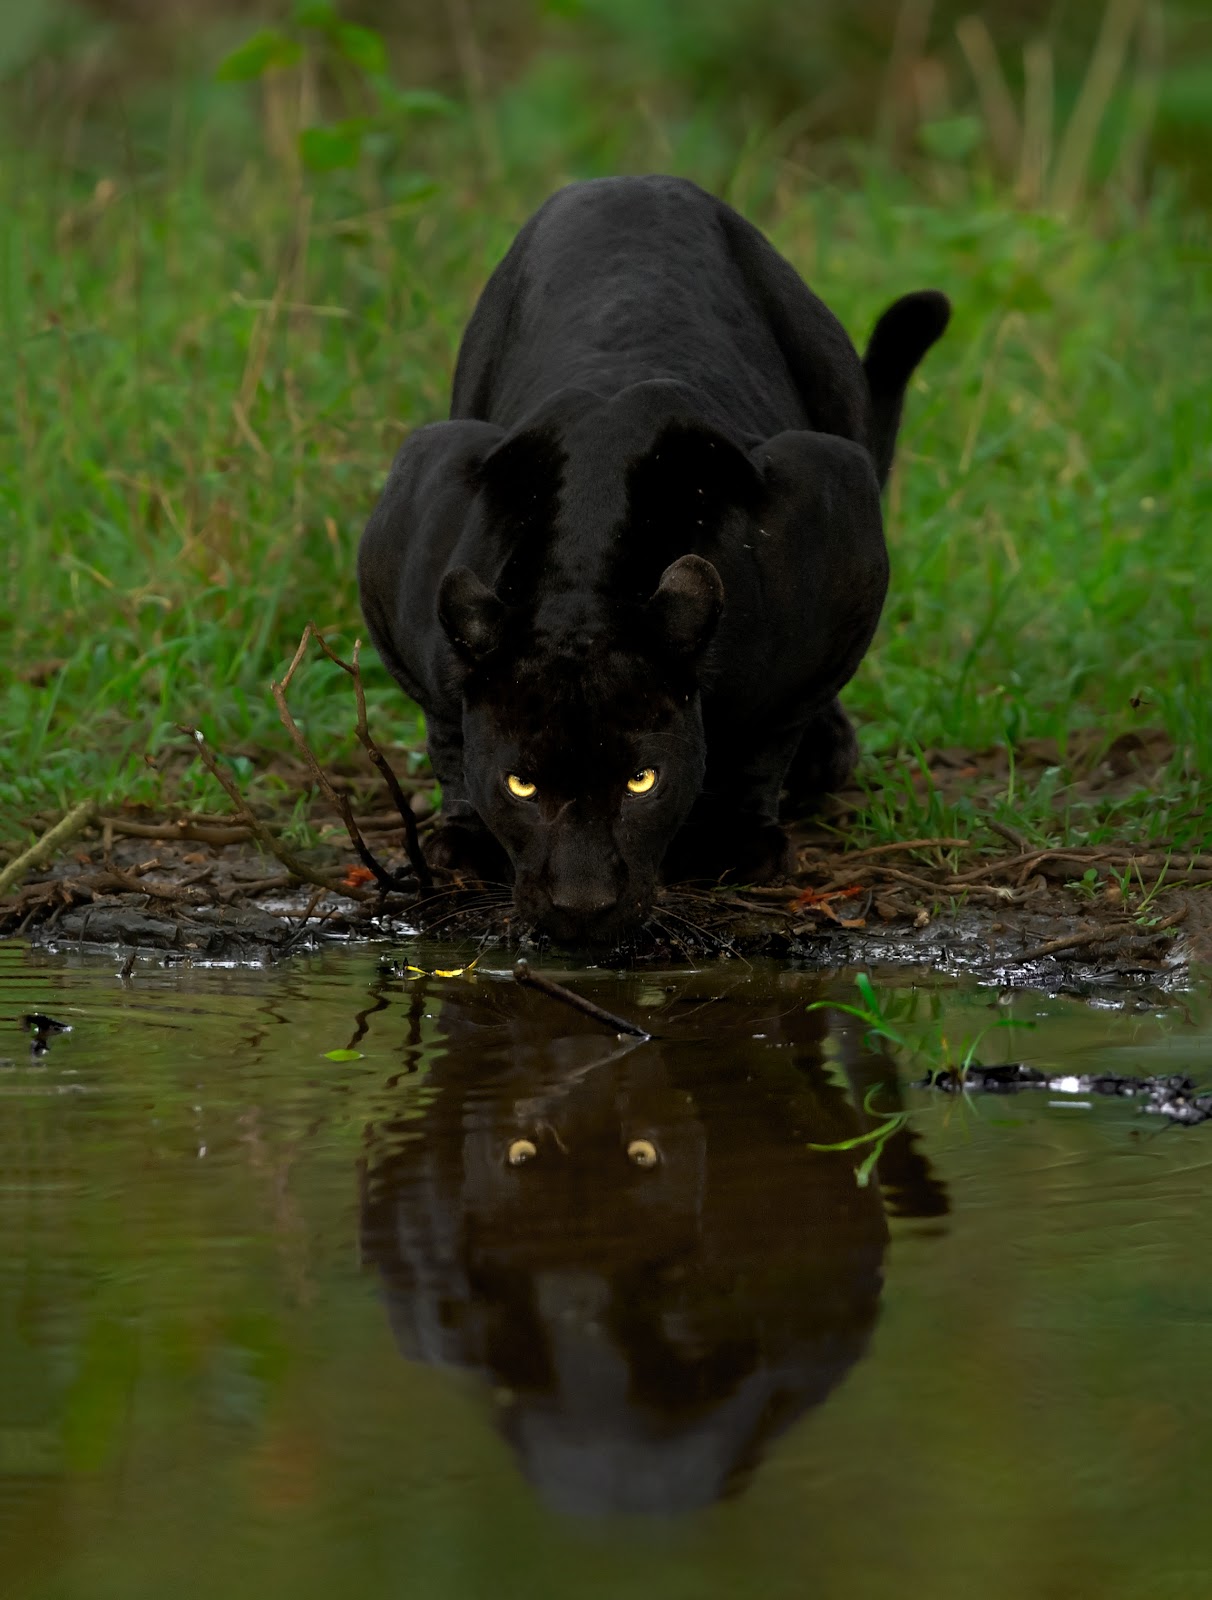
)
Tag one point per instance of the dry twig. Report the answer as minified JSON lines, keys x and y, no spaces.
{"x":899,"y":845}
{"x":183,"y":828}
{"x":387,"y":881}
{"x":1011,"y":835}
{"x":260,"y":832}
{"x":412,"y":842}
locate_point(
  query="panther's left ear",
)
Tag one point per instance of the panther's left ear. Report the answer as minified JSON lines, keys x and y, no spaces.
{"x":687,"y":604}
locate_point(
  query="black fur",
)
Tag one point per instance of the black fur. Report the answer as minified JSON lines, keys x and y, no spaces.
{"x":649,"y":537}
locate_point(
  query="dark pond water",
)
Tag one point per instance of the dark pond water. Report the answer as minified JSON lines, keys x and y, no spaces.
{"x":506,"y":1307}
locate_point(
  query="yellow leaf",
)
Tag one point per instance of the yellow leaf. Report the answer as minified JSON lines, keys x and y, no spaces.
{"x":454,"y":972}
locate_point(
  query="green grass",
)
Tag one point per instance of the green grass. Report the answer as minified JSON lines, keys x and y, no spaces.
{"x":208,"y":365}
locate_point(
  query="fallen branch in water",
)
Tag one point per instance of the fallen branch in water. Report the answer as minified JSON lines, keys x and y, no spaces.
{"x":557,"y":991}
{"x":263,"y":836}
{"x":76,"y":820}
{"x":412,"y":841}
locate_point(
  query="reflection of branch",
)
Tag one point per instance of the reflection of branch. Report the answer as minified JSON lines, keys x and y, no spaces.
{"x":412,"y":842}
{"x":260,"y":832}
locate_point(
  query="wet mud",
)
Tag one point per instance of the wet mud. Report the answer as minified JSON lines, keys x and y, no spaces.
{"x":196,"y":900}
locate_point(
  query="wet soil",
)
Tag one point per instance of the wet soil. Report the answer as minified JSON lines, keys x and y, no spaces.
{"x":200,"y":887}
{"x":196,"y":900}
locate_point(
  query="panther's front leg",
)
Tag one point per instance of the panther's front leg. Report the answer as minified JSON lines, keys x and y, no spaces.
{"x":460,"y":842}
{"x":823,"y":762}
{"x":733,"y":835}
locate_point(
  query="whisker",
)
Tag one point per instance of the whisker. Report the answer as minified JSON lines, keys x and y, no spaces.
{"x":675,"y":940}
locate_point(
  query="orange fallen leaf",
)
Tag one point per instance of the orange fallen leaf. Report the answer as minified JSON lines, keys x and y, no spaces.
{"x":357,"y":876}
{"x":819,"y":899}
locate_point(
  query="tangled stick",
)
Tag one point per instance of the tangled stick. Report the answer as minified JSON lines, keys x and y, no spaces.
{"x":260,"y":832}
{"x":412,"y":843}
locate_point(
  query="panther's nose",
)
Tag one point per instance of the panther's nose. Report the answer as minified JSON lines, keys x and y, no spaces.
{"x":584,"y":903}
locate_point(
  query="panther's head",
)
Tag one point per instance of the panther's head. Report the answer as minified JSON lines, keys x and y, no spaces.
{"x":583,"y":657}
{"x":583,"y":745}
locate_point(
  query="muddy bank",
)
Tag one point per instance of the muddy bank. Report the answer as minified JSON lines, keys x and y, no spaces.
{"x":198,"y":888}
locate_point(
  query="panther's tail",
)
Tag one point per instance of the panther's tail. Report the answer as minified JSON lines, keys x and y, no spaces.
{"x":901,"y":338}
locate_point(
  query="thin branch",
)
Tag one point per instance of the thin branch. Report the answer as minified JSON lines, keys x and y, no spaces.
{"x":557,"y":991}
{"x":1011,"y":835}
{"x":387,"y":881}
{"x":263,"y":836}
{"x":412,"y":842}
{"x":909,"y":844}
{"x":183,"y":828}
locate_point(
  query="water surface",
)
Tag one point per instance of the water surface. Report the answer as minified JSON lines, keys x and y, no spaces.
{"x":507,"y":1306}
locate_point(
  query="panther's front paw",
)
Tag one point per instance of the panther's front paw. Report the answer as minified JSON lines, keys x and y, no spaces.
{"x":468,"y":850}
{"x":759,"y":854}
{"x":737,"y":850}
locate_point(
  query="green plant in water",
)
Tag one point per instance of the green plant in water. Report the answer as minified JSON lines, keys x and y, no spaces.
{"x":890,"y":1122}
{"x":871,"y":1012}
{"x":933,"y":1048}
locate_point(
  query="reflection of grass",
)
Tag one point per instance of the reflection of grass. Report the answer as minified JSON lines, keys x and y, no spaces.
{"x":210,"y":357}
{"x":927,"y":1045}
{"x":876,"y":1137}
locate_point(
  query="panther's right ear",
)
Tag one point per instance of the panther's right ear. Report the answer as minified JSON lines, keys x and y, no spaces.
{"x":472,"y":614}
{"x":425,"y":504}
{"x":687,"y":604}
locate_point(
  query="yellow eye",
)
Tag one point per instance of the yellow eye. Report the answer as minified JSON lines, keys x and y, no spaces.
{"x":518,"y":787}
{"x":641,"y":782}
{"x":642,"y":1153}
{"x":520,"y":1152}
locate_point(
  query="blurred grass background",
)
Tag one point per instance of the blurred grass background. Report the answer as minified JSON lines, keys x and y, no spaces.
{"x":239,"y":243}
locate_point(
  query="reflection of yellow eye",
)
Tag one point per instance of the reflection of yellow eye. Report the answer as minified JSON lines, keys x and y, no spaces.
{"x":641,"y":782}
{"x":521,"y":1151}
{"x":642,"y":1153}
{"x":518,"y":787}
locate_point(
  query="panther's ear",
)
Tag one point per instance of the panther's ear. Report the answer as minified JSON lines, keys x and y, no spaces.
{"x":471,"y":613}
{"x":687,"y":605}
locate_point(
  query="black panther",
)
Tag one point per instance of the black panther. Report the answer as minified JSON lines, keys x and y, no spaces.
{"x":628,"y":578}
{"x":641,"y":1252}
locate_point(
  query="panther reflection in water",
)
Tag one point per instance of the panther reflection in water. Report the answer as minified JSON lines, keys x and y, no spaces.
{"x":637,"y":1250}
